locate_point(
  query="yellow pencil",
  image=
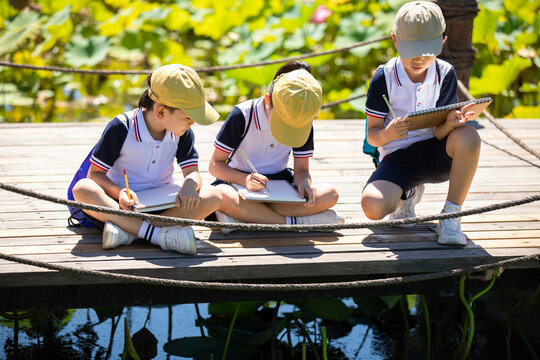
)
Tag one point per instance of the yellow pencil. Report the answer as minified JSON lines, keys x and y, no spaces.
{"x":127,"y":186}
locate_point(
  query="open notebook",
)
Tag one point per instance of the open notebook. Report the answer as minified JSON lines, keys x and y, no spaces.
{"x":280,"y":191}
{"x":158,"y":198}
{"x":435,"y":116}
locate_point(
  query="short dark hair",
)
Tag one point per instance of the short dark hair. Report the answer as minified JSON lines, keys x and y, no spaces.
{"x":288,"y":67}
{"x":146,"y":102}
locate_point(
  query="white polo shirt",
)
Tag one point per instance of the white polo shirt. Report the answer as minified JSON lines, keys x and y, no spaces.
{"x":439,"y":88}
{"x":127,"y":144}
{"x":265,"y":153}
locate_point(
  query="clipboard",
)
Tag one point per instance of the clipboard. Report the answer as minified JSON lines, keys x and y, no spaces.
{"x":155,"y":199}
{"x":435,"y":116}
{"x":279,"y":191}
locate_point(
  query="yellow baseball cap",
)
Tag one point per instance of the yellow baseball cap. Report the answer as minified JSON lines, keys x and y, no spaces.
{"x":180,"y":87}
{"x":419,"y":28}
{"x":296,"y":100}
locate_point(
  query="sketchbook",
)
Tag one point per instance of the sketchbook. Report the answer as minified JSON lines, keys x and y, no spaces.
{"x":435,"y":116}
{"x":160,"y":198}
{"x":279,"y":191}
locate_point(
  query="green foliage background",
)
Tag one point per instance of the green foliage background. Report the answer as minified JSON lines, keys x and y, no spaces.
{"x":123,"y":34}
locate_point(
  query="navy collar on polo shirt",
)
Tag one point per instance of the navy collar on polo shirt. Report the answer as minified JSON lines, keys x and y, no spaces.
{"x":141,"y":130}
{"x":260,"y":119}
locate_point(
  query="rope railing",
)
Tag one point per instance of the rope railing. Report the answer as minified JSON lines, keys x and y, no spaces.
{"x":269,"y":227}
{"x":495,"y":123}
{"x":209,"y":69}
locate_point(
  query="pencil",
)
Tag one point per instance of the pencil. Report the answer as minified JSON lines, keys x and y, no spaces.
{"x":247,"y":160}
{"x":250,"y":164}
{"x":389,"y":106}
{"x":127,"y":186}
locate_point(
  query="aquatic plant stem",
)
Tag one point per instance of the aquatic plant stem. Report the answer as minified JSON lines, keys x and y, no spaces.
{"x":289,"y":339}
{"x":306,"y":336}
{"x":470,"y":302}
{"x":428,"y":327}
{"x":407,"y":327}
{"x":324,"y":344}
{"x":274,"y":321}
{"x":470,"y":315}
{"x":524,"y":338}
{"x":230,"y":331}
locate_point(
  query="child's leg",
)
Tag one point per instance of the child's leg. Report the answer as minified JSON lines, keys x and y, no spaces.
{"x":210,"y":202}
{"x":326,"y":196}
{"x":380,"y":198}
{"x":463,"y":146}
{"x":88,"y":191}
{"x":247,"y":211}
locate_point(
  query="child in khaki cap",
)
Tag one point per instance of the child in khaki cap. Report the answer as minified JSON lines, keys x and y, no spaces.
{"x":417,"y":80}
{"x":145,"y":142}
{"x":267,"y":129}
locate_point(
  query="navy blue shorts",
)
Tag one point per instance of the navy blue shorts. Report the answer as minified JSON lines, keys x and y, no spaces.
{"x":423,"y":162}
{"x":286,"y":174}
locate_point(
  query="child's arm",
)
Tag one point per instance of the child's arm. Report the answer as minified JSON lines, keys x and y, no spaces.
{"x":378,"y":135}
{"x":453,"y":120}
{"x":99,"y":176}
{"x":219,"y":168}
{"x":188,"y":197}
{"x":302,"y":180}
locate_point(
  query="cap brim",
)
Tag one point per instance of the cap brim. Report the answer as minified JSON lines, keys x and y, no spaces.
{"x":286,"y":135}
{"x":204,"y":115}
{"x":411,"y":49}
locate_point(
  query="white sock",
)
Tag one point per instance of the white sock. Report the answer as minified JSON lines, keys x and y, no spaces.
{"x":451,"y":207}
{"x":290,"y":220}
{"x":149,"y":232}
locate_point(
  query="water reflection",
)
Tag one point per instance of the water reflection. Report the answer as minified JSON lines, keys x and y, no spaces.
{"x":368,"y":327}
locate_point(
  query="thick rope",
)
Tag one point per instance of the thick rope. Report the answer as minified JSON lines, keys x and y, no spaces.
{"x":270,"y":227}
{"x":274,"y":287}
{"x":495,"y":123}
{"x":209,"y":69}
{"x":334,"y":103}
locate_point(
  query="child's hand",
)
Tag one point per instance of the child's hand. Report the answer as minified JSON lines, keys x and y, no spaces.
{"x":306,"y":192}
{"x":124,"y":202}
{"x":188,"y":197}
{"x":459,"y":117}
{"x":398,"y":129}
{"x":256,"y":182}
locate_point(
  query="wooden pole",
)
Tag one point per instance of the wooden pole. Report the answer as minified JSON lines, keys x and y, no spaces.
{"x":458,"y":50}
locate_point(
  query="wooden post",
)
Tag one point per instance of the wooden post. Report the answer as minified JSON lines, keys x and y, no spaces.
{"x":458,"y":50}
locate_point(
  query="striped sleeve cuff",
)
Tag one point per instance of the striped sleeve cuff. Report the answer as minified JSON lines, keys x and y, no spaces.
{"x":376,"y":114}
{"x":100,"y":164}
{"x":303,"y":154}
{"x":221,"y":146}
{"x":187,"y":163}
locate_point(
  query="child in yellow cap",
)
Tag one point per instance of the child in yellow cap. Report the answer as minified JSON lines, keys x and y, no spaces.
{"x":417,"y":80}
{"x":267,"y":129}
{"x":145,"y":142}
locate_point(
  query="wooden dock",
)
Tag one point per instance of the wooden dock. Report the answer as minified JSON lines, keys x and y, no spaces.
{"x":44,"y":157}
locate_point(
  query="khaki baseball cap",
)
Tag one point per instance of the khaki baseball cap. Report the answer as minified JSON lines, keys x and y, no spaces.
{"x":418,"y":29}
{"x":180,"y":87}
{"x":296,"y":100}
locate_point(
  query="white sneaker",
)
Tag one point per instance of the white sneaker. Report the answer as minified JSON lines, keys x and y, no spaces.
{"x":405,"y":207}
{"x":113,"y":236}
{"x":449,"y":230}
{"x":178,"y":238}
{"x":224,"y":218}
{"x":324,"y":217}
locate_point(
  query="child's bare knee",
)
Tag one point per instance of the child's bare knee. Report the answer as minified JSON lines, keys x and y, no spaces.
{"x":373,"y":208}
{"x":84,"y":188}
{"x":467,"y":138}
